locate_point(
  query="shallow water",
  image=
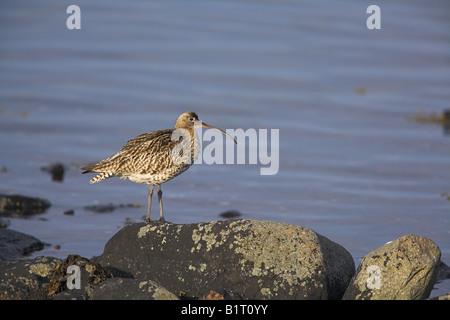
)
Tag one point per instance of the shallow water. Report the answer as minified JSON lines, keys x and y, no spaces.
{"x":353,"y":166}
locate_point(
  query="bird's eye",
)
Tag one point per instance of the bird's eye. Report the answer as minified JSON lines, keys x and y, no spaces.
{"x":191,"y":119}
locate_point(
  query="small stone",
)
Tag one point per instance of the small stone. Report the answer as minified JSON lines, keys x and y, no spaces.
{"x":230,"y":214}
{"x":56,"y":170}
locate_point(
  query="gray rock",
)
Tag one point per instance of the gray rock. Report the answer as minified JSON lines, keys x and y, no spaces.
{"x":56,"y":170}
{"x":70,"y":295}
{"x":14,"y":244}
{"x":131,"y":289}
{"x":19,"y":206}
{"x":4,"y":223}
{"x":26,"y":279}
{"x":443,"y":272}
{"x":251,"y":258}
{"x":404,"y":269}
{"x":442,"y":297}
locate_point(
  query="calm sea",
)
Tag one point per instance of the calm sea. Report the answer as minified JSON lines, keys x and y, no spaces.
{"x":353,"y":165}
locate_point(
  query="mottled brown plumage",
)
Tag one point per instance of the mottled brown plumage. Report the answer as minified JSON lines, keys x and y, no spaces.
{"x":155,"y":157}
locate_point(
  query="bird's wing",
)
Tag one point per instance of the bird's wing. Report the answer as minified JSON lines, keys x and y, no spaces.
{"x":145,"y":137}
{"x":147,"y":153}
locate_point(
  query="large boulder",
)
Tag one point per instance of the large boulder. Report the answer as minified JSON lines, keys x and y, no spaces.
{"x":404,"y":269}
{"x":251,"y":259}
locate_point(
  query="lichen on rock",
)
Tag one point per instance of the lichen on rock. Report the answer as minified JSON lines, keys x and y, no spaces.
{"x":253,"y":258}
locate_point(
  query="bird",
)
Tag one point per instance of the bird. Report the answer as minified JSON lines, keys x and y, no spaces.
{"x":155,"y":157}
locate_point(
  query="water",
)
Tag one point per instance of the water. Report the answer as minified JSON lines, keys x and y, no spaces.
{"x":353,"y":166}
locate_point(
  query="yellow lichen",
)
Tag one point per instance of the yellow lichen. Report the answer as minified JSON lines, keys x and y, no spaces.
{"x":41,"y":269}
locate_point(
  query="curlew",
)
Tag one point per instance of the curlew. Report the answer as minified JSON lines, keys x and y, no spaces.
{"x":155,"y":157}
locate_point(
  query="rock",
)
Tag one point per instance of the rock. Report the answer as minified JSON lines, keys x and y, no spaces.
{"x":404,"y":269}
{"x":443,"y":272}
{"x":26,"y":279}
{"x":102,"y":208}
{"x":89,"y":275}
{"x":230,"y":214}
{"x":222,"y":294}
{"x":69,"y":212}
{"x":19,"y":206}
{"x":4,"y":223}
{"x":70,"y":295}
{"x":56,"y":170}
{"x":131,"y":289}
{"x":442,"y":281}
{"x":442,"y":297}
{"x":251,"y":258}
{"x":14,"y":244}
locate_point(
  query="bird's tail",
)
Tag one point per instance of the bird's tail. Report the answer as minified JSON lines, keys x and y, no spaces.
{"x":101,"y":176}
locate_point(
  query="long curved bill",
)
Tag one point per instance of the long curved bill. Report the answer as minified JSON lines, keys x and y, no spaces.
{"x":205,"y":125}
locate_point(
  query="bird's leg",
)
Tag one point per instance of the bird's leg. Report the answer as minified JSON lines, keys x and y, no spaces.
{"x":161,"y":213}
{"x":149,"y":203}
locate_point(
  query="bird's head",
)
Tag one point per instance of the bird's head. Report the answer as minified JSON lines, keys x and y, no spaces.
{"x":189,"y":119}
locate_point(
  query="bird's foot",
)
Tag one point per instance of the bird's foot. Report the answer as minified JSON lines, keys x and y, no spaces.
{"x":162,"y":220}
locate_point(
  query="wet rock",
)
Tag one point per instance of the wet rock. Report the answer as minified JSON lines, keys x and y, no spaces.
{"x":131,"y":289}
{"x":89,"y":275}
{"x":102,"y":208}
{"x":20,"y":206}
{"x":230,"y":214}
{"x":69,"y":212}
{"x":56,"y":170}
{"x":251,"y":258}
{"x":404,"y":269}
{"x":14,"y":244}
{"x":443,"y":272}
{"x":442,"y":297}
{"x":26,"y":279}
{"x":4,"y":223}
